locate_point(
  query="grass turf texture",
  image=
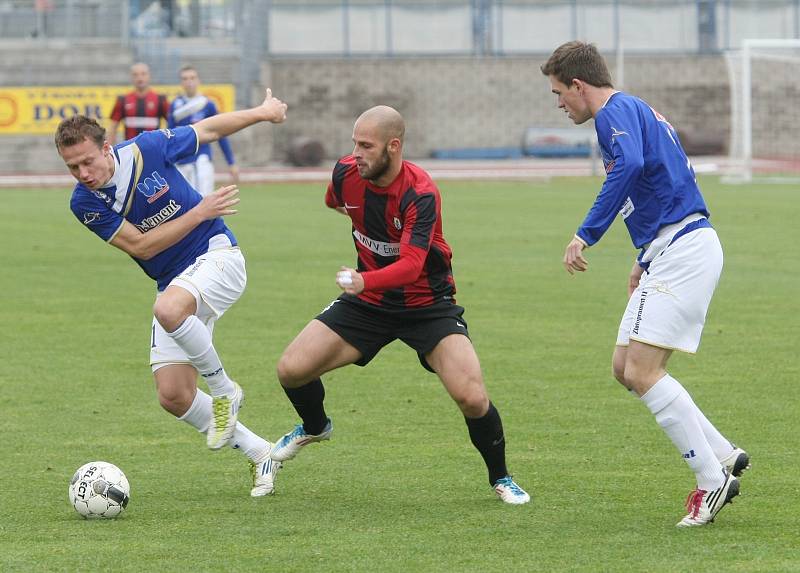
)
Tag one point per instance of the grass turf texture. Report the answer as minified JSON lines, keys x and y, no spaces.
{"x":399,"y":488}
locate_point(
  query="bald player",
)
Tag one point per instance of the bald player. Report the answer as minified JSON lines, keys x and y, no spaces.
{"x":141,"y":109}
{"x":402,"y":288}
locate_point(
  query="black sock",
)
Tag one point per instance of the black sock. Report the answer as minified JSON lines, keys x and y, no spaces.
{"x":487,"y":436}
{"x":307,"y":400}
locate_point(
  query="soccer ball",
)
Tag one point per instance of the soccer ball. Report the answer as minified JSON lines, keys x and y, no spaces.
{"x":99,"y":490}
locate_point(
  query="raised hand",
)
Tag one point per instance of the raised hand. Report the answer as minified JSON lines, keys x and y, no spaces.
{"x":275,"y":108}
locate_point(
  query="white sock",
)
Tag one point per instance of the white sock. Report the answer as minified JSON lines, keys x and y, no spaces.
{"x":199,"y":414}
{"x":676,"y":414}
{"x":199,"y":417}
{"x":195,"y":340}
{"x":719,"y":443}
{"x":253,"y":445}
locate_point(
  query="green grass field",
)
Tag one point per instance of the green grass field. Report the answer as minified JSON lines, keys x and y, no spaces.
{"x":399,"y":488}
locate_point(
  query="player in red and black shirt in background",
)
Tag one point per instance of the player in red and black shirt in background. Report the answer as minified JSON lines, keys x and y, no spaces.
{"x":403,"y":288}
{"x":141,"y":110}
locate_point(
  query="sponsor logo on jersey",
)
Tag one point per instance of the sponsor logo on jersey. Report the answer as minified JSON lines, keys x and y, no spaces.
{"x":164,"y":214}
{"x":397,"y":224}
{"x":378,"y":247}
{"x":167,"y":132}
{"x":89,"y":218}
{"x":153,"y":187}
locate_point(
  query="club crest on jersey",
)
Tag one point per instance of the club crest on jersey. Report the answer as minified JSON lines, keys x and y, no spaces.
{"x":89,"y":218}
{"x":153,"y":187}
{"x":397,"y":224}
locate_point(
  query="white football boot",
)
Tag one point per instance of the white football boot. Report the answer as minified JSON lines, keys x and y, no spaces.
{"x":225,"y":413}
{"x":703,"y":506}
{"x":263,"y":471}
{"x":287,"y":447}
{"x":510,"y":492}
{"x":737,"y":462}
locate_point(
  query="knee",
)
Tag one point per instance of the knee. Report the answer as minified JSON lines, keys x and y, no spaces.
{"x":472,"y":399}
{"x":289,"y":371}
{"x":175,"y":399}
{"x":169,"y":314}
{"x":638,"y":379}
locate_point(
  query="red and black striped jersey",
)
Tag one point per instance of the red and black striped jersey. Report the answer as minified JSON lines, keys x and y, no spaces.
{"x":140,"y":113}
{"x":397,"y":231}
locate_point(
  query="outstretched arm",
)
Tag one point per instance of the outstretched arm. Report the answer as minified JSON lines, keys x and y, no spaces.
{"x":147,"y":245}
{"x":224,"y":124}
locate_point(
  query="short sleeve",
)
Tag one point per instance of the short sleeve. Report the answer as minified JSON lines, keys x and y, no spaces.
{"x":95,"y":214}
{"x":173,"y":144}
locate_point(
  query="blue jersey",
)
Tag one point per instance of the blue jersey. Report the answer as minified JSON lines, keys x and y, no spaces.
{"x":186,"y":111}
{"x":649,"y":180}
{"x":148,"y":190}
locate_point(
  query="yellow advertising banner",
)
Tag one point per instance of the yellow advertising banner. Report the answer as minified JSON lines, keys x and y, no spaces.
{"x":37,"y":110}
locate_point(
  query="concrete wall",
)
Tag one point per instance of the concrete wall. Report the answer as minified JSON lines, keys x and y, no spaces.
{"x":470,"y":102}
{"x":447,"y":102}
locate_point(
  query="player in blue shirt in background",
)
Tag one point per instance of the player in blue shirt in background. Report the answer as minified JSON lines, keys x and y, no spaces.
{"x":651,"y":184}
{"x":190,"y":108}
{"x":132,"y":196}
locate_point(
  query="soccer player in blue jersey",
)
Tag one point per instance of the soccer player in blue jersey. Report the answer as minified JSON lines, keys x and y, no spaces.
{"x":651,"y":184}
{"x":132,"y":196}
{"x":190,"y":108}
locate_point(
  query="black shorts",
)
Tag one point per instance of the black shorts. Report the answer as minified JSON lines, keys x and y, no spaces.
{"x":369,"y":328}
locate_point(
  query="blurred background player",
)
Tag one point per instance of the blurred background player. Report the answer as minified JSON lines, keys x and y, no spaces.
{"x":651,"y":184}
{"x":190,"y":108}
{"x":133,"y":197}
{"x":403,"y":289}
{"x":141,"y":109}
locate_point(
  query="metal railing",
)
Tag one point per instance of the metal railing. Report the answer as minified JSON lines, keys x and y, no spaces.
{"x":414,"y":27}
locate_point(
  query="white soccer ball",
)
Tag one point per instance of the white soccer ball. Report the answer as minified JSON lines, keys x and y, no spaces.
{"x":99,"y":490}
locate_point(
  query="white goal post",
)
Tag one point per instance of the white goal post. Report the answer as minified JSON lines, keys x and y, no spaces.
{"x":765,"y":110}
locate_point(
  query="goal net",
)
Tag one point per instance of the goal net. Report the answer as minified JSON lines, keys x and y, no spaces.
{"x":765,"y":111}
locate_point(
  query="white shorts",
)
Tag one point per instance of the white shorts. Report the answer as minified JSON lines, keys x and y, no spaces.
{"x":216,"y":279}
{"x":199,"y":174}
{"x":668,"y":308}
